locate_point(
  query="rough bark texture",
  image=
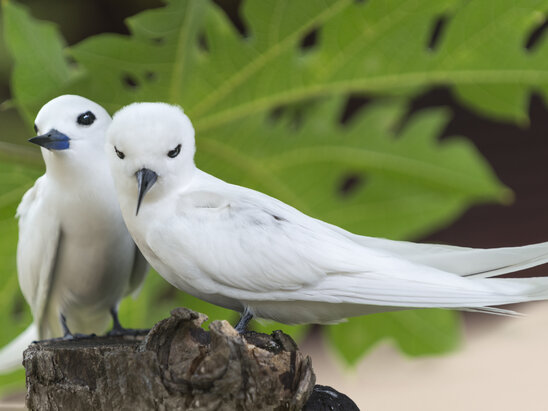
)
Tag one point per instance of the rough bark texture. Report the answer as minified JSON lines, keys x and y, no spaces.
{"x":177,"y":365}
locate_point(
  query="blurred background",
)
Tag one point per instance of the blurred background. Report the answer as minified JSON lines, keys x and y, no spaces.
{"x":455,"y":87}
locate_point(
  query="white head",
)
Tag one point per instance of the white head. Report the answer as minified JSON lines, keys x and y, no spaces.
{"x":68,"y":127}
{"x":150,"y":147}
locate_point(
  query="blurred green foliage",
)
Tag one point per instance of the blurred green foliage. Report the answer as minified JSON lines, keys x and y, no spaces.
{"x":267,"y":107}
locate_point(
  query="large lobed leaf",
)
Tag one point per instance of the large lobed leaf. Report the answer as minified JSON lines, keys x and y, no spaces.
{"x":374,"y":46}
{"x":41,"y":68}
{"x":378,"y":175}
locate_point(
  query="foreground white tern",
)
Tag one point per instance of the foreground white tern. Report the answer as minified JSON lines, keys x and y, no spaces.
{"x":75,"y":257}
{"x":246,"y":251}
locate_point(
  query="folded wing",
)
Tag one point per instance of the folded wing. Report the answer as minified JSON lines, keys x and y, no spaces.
{"x":37,"y":250}
{"x":252,"y":247}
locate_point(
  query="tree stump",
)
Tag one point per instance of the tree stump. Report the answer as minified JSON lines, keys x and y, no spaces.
{"x":177,"y":365}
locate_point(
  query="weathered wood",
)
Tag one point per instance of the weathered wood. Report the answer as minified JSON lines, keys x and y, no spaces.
{"x":177,"y":365}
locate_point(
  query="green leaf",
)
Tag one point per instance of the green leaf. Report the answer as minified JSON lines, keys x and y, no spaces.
{"x":41,"y":68}
{"x":369,"y":47}
{"x":374,"y":46}
{"x":416,"y":332}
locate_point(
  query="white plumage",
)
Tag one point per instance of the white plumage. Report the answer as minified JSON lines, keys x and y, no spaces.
{"x":75,"y":257}
{"x":246,"y":251}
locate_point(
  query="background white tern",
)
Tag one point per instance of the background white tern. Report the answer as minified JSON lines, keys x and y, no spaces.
{"x":75,"y":257}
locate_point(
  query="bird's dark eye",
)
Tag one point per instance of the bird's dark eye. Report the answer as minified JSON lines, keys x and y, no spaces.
{"x":36,"y":129}
{"x":175,"y":152}
{"x":86,"y":119}
{"x":119,"y":153}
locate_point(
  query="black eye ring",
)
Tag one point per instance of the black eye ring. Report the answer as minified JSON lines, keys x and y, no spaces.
{"x":120,"y":155}
{"x":175,"y":152}
{"x":86,"y":119}
{"x":35,"y":128}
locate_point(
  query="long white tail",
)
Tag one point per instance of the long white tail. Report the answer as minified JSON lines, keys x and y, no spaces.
{"x":463,"y":261}
{"x":11,"y":356}
{"x":473,"y":262}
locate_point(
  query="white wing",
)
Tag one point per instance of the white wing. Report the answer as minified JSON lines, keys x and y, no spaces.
{"x":237,"y":244}
{"x":248,"y":241}
{"x":37,"y":250}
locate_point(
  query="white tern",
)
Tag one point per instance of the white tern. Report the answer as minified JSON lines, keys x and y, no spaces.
{"x":75,"y":257}
{"x":246,"y":251}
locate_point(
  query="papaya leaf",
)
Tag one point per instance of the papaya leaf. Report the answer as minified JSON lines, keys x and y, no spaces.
{"x":41,"y":67}
{"x":190,"y":54}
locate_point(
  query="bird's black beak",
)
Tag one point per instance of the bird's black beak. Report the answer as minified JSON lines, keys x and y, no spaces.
{"x":52,"y":140}
{"x":145,"y":180}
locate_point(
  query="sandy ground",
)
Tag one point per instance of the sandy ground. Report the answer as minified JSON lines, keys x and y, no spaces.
{"x":502,"y":365}
{"x":13,"y":402}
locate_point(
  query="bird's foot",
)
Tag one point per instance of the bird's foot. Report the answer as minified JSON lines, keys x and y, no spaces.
{"x":68,"y":335}
{"x":246,"y":317}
